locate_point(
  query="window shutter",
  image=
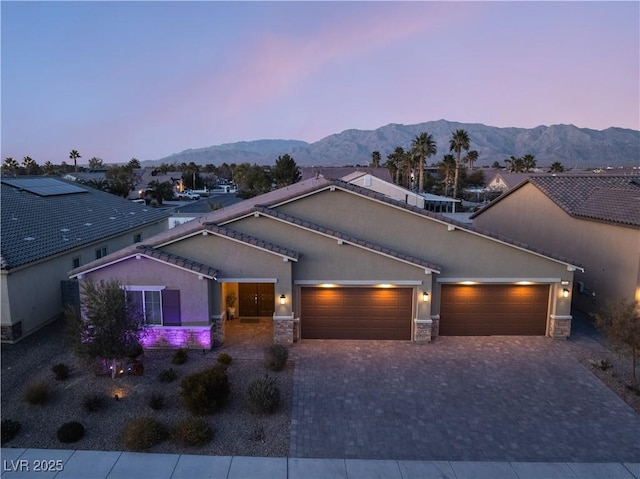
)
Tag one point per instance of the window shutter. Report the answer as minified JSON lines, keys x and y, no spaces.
{"x":171,"y":307}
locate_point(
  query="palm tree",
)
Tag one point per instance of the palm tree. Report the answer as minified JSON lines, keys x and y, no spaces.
{"x":29,"y":165}
{"x":471,"y":158}
{"x":74,"y":155}
{"x":556,"y":167}
{"x":395,"y":163}
{"x":459,"y":141}
{"x":10,"y":164}
{"x":528,"y":162}
{"x":447,"y":166}
{"x":375,"y":159}
{"x":49,"y":168}
{"x":422,"y":147}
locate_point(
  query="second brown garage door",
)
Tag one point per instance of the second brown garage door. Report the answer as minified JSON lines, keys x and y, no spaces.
{"x":493,"y":309}
{"x":356,"y":313}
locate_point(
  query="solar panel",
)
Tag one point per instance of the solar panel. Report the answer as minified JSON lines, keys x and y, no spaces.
{"x":43,"y":186}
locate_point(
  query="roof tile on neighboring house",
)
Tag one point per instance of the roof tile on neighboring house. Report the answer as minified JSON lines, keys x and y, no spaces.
{"x":252,"y":240}
{"x":179,"y":261}
{"x":36,"y":226}
{"x":348,"y":238}
{"x":608,"y":198}
{"x":337,"y":172}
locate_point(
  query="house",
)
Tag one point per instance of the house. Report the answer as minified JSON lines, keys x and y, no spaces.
{"x":50,"y":226}
{"x":593,"y":218}
{"x":337,"y":172}
{"x":502,"y":181}
{"x":329,"y":259}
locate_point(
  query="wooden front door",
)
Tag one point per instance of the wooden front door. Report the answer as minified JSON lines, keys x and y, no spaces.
{"x":256,"y":299}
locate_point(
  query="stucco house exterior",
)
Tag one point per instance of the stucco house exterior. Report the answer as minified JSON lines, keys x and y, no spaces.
{"x":50,"y":226}
{"x":329,"y":259}
{"x":593,"y":218}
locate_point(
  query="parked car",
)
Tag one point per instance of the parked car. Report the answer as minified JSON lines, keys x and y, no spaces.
{"x":188,"y":196}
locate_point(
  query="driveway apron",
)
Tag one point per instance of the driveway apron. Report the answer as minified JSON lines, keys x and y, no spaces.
{"x":493,"y":398}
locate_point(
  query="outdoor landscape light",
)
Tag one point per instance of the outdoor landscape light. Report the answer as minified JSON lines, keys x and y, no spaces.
{"x":283,"y":299}
{"x":565,"y":292}
{"x":425,"y":296}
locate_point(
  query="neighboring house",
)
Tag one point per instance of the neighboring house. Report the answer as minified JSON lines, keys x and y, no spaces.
{"x":337,"y":172}
{"x":593,"y":218}
{"x":502,"y":181}
{"x":50,"y":226}
{"x":329,"y":259}
{"x":438,"y":204}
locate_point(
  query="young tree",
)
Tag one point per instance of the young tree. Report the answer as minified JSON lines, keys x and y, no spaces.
{"x":108,"y":325}
{"x":459,"y":141}
{"x":134,"y":163}
{"x":161,"y":191}
{"x":620,"y":323}
{"x":121,"y":180}
{"x":252,"y":180}
{"x":286,"y":172}
{"x":96,"y":163}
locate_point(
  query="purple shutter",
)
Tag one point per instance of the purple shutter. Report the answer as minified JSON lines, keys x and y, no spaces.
{"x":171,"y":307}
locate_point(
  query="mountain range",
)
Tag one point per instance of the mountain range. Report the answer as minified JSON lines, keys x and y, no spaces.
{"x":572,"y":146}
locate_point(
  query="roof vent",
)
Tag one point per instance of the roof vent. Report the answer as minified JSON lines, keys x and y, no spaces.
{"x":88,"y":224}
{"x":65,"y":230}
{"x":29,"y":238}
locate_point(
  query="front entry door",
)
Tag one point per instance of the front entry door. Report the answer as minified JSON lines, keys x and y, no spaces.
{"x":256,"y":299}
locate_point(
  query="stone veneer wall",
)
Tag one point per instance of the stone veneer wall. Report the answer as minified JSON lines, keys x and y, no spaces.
{"x":435,"y":326}
{"x":11,"y":332}
{"x":218,"y":329}
{"x":173,"y":337}
{"x":283,"y":330}
{"x":560,"y":326}
{"x":422,"y":331}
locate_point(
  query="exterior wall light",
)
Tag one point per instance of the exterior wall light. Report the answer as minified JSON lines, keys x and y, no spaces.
{"x":425,"y":296}
{"x":565,"y":292}
{"x":283,"y":299}
{"x":564,"y":282}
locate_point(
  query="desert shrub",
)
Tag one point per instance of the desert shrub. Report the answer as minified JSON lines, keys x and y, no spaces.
{"x":206,"y":391}
{"x":275,"y":357}
{"x":137,"y":368}
{"x":224,"y":358}
{"x":70,"y":432}
{"x":93,"y":402}
{"x":263,"y":395}
{"x":167,"y":375}
{"x":37,"y":393}
{"x":10,"y":429}
{"x":142,"y":433}
{"x":180,"y":356}
{"x":136,"y":351}
{"x":192,"y":431}
{"x":156,"y":401}
{"x":60,"y":371}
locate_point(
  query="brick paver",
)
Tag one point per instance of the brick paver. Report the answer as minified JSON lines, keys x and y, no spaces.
{"x":457,"y":399}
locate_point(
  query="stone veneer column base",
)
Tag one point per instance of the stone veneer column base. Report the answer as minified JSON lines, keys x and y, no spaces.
{"x":174,"y":337}
{"x":435,"y":327}
{"x":218,"y":327}
{"x":11,"y":332}
{"x":283,"y":329}
{"x":560,"y":326}
{"x":422,"y":330}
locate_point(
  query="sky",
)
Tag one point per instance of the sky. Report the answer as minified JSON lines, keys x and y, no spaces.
{"x":118,"y":80}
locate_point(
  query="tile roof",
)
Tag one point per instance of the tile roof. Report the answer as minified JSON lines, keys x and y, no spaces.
{"x":252,"y":240}
{"x":348,"y":238}
{"x":608,"y":198}
{"x":179,"y":261}
{"x":35,"y":227}
{"x":337,"y":172}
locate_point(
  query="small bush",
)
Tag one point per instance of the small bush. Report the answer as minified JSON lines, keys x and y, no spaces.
{"x":142,"y":433}
{"x":37,"y":393}
{"x":136,"y":351}
{"x":70,"y":432}
{"x":168,"y":375}
{"x":192,"y":431}
{"x":137,"y":368}
{"x":60,"y":371}
{"x":224,"y":358}
{"x":180,"y":356}
{"x":263,"y":395}
{"x":93,"y":402}
{"x":156,"y":401}
{"x":602,"y":364}
{"x":275,"y":357}
{"x":634,"y":388}
{"x":205,"y":392}
{"x":10,"y":429}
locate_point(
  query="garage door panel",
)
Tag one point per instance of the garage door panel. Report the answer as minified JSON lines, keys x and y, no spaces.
{"x":479,"y":310}
{"x":356,"y":313}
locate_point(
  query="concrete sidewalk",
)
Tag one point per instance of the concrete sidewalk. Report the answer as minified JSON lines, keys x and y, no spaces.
{"x":70,"y":464}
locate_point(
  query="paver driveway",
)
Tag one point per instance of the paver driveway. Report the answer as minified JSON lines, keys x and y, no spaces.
{"x":459,"y":398}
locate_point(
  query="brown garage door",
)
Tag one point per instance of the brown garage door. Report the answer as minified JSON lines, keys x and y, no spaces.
{"x":486,"y":309}
{"x":356,"y":313}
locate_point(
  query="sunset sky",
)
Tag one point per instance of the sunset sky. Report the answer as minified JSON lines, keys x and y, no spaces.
{"x":119,"y":80}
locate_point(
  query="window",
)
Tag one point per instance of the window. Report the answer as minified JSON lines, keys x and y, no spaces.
{"x":137,"y":238}
{"x":101,"y":252}
{"x":75,"y":262}
{"x":158,"y":306}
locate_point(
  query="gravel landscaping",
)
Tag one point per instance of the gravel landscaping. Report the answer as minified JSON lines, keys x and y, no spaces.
{"x":237,"y":431}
